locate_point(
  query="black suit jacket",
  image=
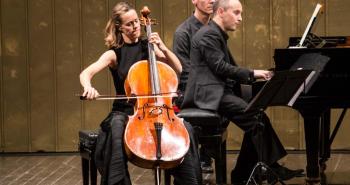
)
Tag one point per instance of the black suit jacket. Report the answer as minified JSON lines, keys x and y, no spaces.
{"x":212,"y":67}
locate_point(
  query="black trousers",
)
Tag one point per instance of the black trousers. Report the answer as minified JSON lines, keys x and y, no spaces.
{"x":232,"y":107}
{"x":111,"y":159}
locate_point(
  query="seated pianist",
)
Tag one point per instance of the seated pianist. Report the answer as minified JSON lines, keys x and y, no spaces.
{"x":209,"y":87}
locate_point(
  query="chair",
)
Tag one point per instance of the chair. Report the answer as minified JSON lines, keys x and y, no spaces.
{"x":211,"y":131}
{"x":87,"y":140}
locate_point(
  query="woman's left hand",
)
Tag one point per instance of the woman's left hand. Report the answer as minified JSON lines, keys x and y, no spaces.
{"x":155,"y":39}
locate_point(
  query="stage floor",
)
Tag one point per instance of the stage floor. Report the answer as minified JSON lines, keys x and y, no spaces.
{"x":65,"y":169}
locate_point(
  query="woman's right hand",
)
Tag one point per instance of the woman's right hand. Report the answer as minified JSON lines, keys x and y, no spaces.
{"x":90,"y":93}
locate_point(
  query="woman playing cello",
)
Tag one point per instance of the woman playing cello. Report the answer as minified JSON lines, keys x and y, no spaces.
{"x":126,"y":47}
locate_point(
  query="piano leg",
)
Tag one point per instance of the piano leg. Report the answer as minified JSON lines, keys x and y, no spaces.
{"x":312,"y":121}
{"x":324,"y":140}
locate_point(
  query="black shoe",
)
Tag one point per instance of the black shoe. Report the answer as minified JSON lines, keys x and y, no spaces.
{"x":244,"y":183}
{"x":238,"y":178}
{"x":206,"y":167}
{"x":285,"y":174}
{"x":239,"y":183}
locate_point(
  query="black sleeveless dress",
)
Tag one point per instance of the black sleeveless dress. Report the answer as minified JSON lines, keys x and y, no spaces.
{"x":127,"y":55}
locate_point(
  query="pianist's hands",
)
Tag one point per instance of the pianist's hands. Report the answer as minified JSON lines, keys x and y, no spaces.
{"x":263,"y":74}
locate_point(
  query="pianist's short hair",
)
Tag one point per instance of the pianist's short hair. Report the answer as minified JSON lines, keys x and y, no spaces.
{"x":221,"y":4}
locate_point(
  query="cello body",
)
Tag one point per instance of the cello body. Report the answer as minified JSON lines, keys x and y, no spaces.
{"x":154,"y":136}
{"x":140,"y":136}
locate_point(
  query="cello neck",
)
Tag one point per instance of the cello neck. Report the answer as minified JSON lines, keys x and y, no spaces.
{"x":151,"y":55}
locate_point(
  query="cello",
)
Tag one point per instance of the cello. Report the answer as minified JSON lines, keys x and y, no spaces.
{"x":154,"y":137}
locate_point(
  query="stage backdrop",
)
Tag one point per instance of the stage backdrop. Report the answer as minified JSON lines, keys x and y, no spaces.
{"x":46,"y":43}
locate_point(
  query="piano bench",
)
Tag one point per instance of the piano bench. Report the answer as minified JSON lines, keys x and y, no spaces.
{"x":87,"y":144}
{"x":211,"y":130}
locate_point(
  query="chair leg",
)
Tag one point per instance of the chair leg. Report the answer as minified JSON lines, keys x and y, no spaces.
{"x":167,"y":177}
{"x":85,"y":170}
{"x":220,"y":162}
{"x":224,"y":163}
{"x":93,"y":172}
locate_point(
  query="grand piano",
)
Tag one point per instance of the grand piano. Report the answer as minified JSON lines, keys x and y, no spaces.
{"x":328,"y":91}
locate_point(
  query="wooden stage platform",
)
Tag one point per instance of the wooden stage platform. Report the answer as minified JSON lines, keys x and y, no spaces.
{"x":65,"y":169}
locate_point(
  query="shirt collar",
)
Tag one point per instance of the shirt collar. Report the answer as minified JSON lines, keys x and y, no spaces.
{"x":223,"y":33}
{"x":196,"y":22}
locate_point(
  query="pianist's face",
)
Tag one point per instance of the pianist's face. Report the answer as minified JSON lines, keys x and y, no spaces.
{"x":232,"y":15}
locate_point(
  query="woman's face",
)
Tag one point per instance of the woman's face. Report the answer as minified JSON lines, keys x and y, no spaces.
{"x":130,"y":26}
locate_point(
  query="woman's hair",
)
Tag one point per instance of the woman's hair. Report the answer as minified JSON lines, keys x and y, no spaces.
{"x":113,"y":36}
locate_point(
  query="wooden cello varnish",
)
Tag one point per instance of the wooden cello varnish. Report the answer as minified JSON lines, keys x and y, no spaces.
{"x":154,"y":136}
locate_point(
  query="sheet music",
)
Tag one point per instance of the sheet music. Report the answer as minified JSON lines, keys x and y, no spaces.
{"x":308,"y":27}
